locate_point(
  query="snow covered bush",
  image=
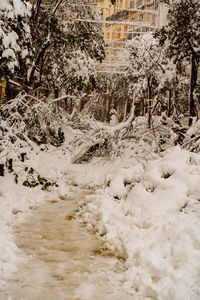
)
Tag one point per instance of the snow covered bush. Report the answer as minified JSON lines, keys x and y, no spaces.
{"x":192,"y":138}
{"x":15,"y":39}
{"x":92,"y":144}
{"x":27,"y":122}
{"x":132,"y":138}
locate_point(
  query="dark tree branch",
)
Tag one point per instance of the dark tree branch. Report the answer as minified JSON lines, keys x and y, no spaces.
{"x":37,"y":11}
{"x":46,"y":44}
{"x":56,"y":7}
{"x":37,"y":60}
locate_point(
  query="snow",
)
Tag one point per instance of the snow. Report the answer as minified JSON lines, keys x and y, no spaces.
{"x":9,"y":53}
{"x":4,"y":4}
{"x":20,"y":8}
{"x":147,"y":214}
{"x":151,"y":228}
{"x":14,"y":199}
{"x":10,"y":40}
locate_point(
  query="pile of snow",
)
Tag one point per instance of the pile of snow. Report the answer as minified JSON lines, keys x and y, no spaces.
{"x":14,"y":199}
{"x":28,"y":122}
{"x":192,"y":138}
{"x":17,"y":200}
{"x":148,"y":215}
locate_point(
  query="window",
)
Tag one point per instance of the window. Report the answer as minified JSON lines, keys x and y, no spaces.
{"x":141,"y":17}
{"x":132,"y":3}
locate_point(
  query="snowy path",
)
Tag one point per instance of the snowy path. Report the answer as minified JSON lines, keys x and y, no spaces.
{"x":62,"y":260}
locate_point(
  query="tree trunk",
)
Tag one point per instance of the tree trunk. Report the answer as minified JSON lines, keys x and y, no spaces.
{"x":37,"y":11}
{"x":46,"y":44}
{"x":1,"y":169}
{"x":40,"y":56}
{"x":125,"y":109}
{"x":10,"y":164}
{"x":169,"y":103}
{"x":149,"y":101}
{"x":56,"y":92}
{"x":193,"y":83}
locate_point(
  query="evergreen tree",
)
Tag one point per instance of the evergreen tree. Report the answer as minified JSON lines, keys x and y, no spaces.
{"x":15,"y":40}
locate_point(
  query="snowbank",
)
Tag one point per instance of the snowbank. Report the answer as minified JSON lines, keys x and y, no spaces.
{"x":146,"y":212}
{"x":149,"y":216}
{"x":17,"y":200}
{"x":14,"y":201}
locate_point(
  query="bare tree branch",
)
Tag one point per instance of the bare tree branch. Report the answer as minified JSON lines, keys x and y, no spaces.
{"x":56,"y":7}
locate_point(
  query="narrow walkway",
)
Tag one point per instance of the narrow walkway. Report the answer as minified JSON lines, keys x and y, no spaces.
{"x":60,"y":255}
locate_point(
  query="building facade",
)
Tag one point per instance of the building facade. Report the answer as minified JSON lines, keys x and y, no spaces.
{"x":124,"y":19}
{"x":2,"y":91}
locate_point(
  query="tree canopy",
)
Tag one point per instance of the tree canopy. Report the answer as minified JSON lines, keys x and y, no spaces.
{"x":51,"y":44}
{"x":182,"y":38}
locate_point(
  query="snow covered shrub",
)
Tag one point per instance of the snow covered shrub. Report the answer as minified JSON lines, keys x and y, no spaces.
{"x":31,"y":178}
{"x":100,"y":140}
{"x":26,"y":121}
{"x":86,"y":146}
{"x":15,"y":41}
{"x":133,"y":139}
{"x":152,"y":140}
{"x":192,"y":138}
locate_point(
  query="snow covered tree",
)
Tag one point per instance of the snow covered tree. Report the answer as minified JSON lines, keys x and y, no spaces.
{"x":182,"y":37}
{"x":143,"y":55}
{"x":151,"y":74}
{"x":50,"y":44}
{"x":15,"y":40}
{"x":66,"y":46}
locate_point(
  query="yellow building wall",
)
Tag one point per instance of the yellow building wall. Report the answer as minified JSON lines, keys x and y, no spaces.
{"x":116,"y":35}
{"x":2,"y":91}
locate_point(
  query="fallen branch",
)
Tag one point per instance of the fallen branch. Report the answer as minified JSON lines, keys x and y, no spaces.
{"x":61,"y":98}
